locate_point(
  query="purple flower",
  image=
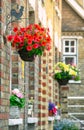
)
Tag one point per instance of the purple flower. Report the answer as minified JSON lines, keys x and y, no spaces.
{"x":51,"y":106}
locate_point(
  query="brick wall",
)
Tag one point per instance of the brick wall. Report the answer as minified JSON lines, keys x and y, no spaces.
{"x":9,"y":62}
{"x":81,"y":58}
{"x":42,"y":95}
{"x":40,"y":81}
{"x":48,"y":89}
{"x":4,"y":72}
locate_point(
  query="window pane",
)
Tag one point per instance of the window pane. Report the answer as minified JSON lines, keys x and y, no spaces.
{"x":72,"y":43}
{"x":66,"y":43}
{"x":72,"y":49}
{"x":69,"y":60}
{"x":66,"y":49}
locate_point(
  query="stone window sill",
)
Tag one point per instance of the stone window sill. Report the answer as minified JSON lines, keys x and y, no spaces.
{"x":76,"y":82}
{"x":32,"y":120}
{"x":51,"y":118}
{"x":15,"y":121}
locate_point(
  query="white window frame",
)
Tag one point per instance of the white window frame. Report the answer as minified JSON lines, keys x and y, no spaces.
{"x":75,"y":46}
{"x":74,"y":57}
{"x":70,"y":54}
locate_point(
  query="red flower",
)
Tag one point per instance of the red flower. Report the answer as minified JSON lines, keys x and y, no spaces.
{"x":30,"y":41}
{"x":15,"y":29}
{"x":13,"y":44}
{"x":54,"y":110}
{"x":10,"y":37}
{"x":48,"y":48}
{"x":21,"y":45}
{"x":35,"y":46}
{"x":29,"y":48}
{"x":22,"y":29}
{"x":17,"y":39}
{"x":43,"y":43}
{"x":33,"y":38}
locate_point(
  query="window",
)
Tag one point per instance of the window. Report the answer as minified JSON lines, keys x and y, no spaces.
{"x":42,"y":2}
{"x":69,"y":59}
{"x":70,"y":51}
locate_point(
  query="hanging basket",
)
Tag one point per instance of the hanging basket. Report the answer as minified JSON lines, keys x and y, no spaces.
{"x":14,"y":112}
{"x":24,"y":55}
{"x":62,"y":81}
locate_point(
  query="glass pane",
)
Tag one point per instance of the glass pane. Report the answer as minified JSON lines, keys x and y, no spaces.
{"x":66,"y":43}
{"x":69,"y":60}
{"x":72,"y":43}
{"x":66,"y":49}
{"x":72,"y":49}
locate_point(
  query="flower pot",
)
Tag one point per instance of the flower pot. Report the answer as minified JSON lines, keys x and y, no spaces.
{"x":62,"y":81}
{"x":24,"y":55}
{"x":14,"y":112}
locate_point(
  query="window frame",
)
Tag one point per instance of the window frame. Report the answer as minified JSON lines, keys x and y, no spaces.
{"x":75,"y":46}
{"x":75,"y":55}
{"x":69,"y":54}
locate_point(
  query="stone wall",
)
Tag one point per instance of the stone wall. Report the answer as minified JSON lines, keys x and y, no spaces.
{"x":63,"y":94}
{"x":72,"y":27}
{"x":71,"y":21}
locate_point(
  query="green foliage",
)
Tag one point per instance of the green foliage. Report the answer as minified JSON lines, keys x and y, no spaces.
{"x":62,"y":75}
{"x":65,"y":124}
{"x":16,"y":101}
{"x":65,"y":71}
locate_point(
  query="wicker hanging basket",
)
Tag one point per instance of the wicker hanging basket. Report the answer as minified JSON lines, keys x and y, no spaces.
{"x":25,"y":57}
{"x":62,"y":81}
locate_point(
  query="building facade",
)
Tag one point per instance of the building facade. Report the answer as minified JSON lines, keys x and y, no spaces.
{"x":35,"y":78}
{"x":72,"y":46}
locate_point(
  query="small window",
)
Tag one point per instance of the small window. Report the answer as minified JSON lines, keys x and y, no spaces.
{"x":70,"y":51}
{"x":70,"y":59}
{"x":69,"y":47}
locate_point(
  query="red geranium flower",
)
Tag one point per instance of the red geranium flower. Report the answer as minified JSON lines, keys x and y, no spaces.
{"x":29,"y":48}
{"x":15,"y":29}
{"x":33,"y":38}
{"x":10,"y":37}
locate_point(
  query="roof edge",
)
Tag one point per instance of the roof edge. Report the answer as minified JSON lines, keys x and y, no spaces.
{"x":76,"y":7}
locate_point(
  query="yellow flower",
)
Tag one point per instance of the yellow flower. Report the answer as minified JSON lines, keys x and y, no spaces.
{"x":57,"y":71}
{"x":63,"y":70}
{"x":72,"y":72}
{"x":66,"y":68}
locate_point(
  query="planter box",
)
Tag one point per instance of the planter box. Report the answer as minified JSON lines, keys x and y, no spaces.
{"x":32,"y":123}
{"x":51,"y":118}
{"x":14,"y":122}
{"x":14,"y":112}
